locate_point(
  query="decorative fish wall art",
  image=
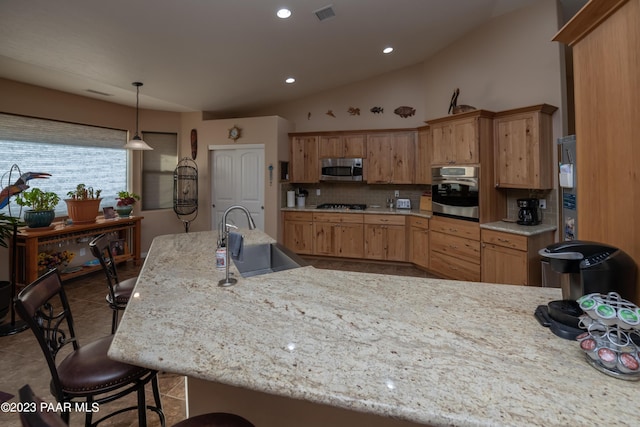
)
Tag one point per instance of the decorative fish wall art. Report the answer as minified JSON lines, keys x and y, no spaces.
{"x":377,"y":110}
{"x":353,"y":111}
{"x":405,"y":111}
{"x":330,"y":113}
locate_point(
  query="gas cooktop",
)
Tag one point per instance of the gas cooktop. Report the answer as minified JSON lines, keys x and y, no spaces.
{"x":355,"y":207}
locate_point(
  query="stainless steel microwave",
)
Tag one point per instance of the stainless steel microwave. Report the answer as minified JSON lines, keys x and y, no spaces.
{"x":454,"y":191}
{"x":341,"y":170}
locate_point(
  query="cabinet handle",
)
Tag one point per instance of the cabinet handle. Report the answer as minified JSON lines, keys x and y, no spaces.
{"x":503,"y":240}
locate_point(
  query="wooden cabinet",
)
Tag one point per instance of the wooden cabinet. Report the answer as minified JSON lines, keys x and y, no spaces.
{"x":524,"y":148}
{"x":385,"y":237}
{"x":75,"y":238}
{"x":419,"y":241}
{"x":454,"y":248}
{"x":391,"y":158}
{"x":342,"y":146}
{"x":513,"y":258}
{"x":305,"y":167}
{"x":338,"y":234}
{"x":455,"y":142}
{"x":423,"y":156}
{"x":298,"y":232}
{"x":604,"y":37}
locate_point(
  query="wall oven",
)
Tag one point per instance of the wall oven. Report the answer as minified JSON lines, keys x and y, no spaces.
{"x":455,"y":191}
{"x":341,"y":170}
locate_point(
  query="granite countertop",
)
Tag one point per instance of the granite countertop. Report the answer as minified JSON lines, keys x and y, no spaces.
{"x":432,"y":351}
{"x":514,"y":228}
{"x":369,"y":210}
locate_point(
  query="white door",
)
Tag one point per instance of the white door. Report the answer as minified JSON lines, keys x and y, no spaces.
{"x":237,"y":178}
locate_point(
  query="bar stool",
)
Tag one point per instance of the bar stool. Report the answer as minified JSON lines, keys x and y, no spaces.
{"x":86,"y":374}
{"x":119,"y":292}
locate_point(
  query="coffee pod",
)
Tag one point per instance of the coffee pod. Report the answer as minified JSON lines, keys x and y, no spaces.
{"x":628,"y":364}
{"x":628,"y":319}
{"x":607,"y":357}
{"x":605,"y":314}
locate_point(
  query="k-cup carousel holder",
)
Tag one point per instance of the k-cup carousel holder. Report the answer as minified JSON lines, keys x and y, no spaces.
{"x":612,"y":340}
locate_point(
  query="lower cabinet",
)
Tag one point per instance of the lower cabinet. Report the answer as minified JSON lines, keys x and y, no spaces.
{"x":298,"y":232}
{"x":454,"y":248}
{"x":336,"y":234}
{"x":385,"y":237}
{"x":511,"y":258}
{"x":419,"y":241}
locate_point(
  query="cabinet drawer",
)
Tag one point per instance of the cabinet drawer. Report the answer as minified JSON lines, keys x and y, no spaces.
{"x":418,"y":222}
{"x":385,"y":219}
{"x":508,"y":240}
{"x":454,"y":268}
{"x":455,"y":227}
{"x":467,"y":249}
{"x":298,"y":216}
{"x":338,"y":218}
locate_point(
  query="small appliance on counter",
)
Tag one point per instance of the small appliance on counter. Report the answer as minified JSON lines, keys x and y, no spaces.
{"x":301,"y":197}
{"x":587,"y":268}
{"x":403,"y":204}
{"x":529,"y":213}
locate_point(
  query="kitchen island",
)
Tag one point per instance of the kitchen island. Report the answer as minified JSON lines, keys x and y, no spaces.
{"x":311,"y":347}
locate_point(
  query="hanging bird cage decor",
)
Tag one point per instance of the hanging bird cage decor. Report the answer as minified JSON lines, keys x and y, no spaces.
{"x":185,"y":191}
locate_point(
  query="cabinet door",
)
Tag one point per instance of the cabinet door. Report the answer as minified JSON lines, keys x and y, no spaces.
{"x":350,"y":240}
{"x":374,"y":242}
{"x":396,"y":242}
{"x":354,"y":146}
{"x":442,"y":150}
{"x":465,"y":140}
{"x":403,"y":149}
{"x":298,"y":236}
{"x":503,"y":265}
{"x":379,"y":156}
{"x":419,"y":247}
{"x":304,"y":159}
{"x":324,"y":238}
{"x":423,"y":157}
{"x":330,"y":147}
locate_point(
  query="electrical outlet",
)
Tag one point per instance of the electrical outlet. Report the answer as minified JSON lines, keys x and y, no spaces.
{"x":396,"y":193}
{"x":83,"y":251}
{"x":317,"y":191}
{"x":543,"y":203}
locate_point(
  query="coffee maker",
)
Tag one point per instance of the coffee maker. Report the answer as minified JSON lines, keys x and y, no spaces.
{"x":528,"y":214}
{"x":586,"y":267}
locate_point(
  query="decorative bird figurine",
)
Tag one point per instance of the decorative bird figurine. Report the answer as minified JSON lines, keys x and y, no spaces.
{"x":19,"y":186}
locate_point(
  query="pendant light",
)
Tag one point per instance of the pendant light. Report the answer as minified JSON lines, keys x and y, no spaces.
{"x":136,"y":143}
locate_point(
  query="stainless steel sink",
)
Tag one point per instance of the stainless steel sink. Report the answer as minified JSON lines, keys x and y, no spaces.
{"x":267,"y":258}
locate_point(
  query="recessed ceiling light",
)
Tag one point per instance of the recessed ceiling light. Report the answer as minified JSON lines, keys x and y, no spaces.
{"x":283,"y":13}
{"x":387,"y":50}
{"x":290,"y":80}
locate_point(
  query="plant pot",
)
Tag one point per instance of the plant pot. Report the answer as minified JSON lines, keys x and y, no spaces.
{"x":5,"y":298}
{"x":36,"y":219}
{"x":83,"y":211}
{"x":124,"y":211}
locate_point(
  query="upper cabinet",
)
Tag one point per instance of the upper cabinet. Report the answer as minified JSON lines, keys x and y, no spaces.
{"x":342,"y":146}
{"x":456,"y":139}
{"x":524,"y":148}
{"x":391,"y":157}
{"x":304,"y":159}
{"x":423,"y":156}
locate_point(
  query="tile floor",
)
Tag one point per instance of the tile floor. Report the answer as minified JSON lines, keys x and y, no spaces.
{"x":21,"y":360}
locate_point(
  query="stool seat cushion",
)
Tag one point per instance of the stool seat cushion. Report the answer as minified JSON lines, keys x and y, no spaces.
{"x":88,"y":370}
{"x":215,"y":419}
{"x":123,"y":290}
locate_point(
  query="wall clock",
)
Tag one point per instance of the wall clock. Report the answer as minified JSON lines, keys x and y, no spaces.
{"x":234,"y":133}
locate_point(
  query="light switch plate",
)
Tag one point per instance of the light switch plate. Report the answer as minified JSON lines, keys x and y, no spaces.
{"x":543,"y":203}
{"x":396,"y":193}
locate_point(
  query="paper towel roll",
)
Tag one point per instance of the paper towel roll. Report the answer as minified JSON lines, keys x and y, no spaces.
{"x":291,"y":199}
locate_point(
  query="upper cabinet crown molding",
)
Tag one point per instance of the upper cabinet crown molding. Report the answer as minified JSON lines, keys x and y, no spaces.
{"x":588,"y":18}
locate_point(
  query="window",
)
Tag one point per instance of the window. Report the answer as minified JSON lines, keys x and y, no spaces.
{"x":72,"y":153}
{"x":157,"y":170}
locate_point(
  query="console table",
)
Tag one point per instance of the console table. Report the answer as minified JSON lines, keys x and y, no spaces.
{"x":31,"y":242}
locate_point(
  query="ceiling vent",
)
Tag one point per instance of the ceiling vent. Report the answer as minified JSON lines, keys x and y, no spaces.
{"x":97,"y":92}
{"x":325,"y":13}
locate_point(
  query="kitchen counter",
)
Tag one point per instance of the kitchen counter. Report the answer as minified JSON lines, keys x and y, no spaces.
{"x":368,"y":210}
{"x":428,"y":351}
{"x":514,"y":228}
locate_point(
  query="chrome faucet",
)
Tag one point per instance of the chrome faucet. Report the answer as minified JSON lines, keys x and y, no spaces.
{"x":223,"y":237}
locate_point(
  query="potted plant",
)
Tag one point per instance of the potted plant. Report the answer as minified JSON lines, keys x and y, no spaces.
{"x":83,"y":204}
{"x":42,"y":204}
{"x":125,"y":203}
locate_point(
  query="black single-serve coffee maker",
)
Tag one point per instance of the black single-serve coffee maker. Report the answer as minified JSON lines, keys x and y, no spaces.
{"x":587,"y":267}
{"x":528,"y":214}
